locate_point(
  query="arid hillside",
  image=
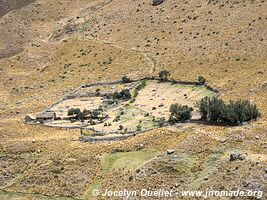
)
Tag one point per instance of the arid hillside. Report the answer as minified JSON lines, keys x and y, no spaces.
{"x":48,"y":48}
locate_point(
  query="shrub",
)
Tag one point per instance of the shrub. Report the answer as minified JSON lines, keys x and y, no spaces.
{"x":125,"y":79}
{"x":80,"y":116}
{"x":201,"y":80}
{"x":76,"y":113}
{"x":139,"y":127}
{"x":86,"y":112}
{"x":120,"y":127}
{"x":97,"y":91}
{"x":161,"y":121}
{"x":73,"y":111}
{"x":117,"y":118}
{"x":164,"y":75}
{"x":126,"y":94}
{"x":180,"y":113}
{"x":234,"y":113}
{"x":95,"y":114}
{"x":139,"y":87}
{"x":123,"y":95}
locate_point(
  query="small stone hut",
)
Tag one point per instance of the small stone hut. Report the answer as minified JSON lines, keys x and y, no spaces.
{"x":44,"y":116}
{"x":30,"y":118}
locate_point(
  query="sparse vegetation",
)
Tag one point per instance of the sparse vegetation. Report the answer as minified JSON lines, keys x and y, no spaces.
{"x":139,"y":127}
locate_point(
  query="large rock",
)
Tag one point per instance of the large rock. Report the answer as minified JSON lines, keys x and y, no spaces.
{"x":170,"y":151}
{"x":236,"y":156}
{"x":157,"y":2}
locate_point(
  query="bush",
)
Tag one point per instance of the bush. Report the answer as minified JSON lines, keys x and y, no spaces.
{"x":77,"y":114}
{"x":123,"y":95}
{"x":117,"y":118}
{"x":139,"y":127}
{"x":125,"y":79}
{"x":201,"y":80}
{"x":80,"y":116}
{"x":97,"y":91}
{"x":161,"y":121}
{"x":234,"y":113}
{"x":73,"y":111}
{"x":180,"y":113}
{"x":139,"y":87}
{"x":164,"y":75}
{"x":120,"y":127}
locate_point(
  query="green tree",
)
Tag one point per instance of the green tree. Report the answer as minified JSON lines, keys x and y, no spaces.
{"x":240,"y":111}
{"x":73,"y":111}
{"x":201,"y":80}
{"x":180,"y":113}
{"x":235,"y":113}
{"x":164,"y":75}
{"x":122,"y":95}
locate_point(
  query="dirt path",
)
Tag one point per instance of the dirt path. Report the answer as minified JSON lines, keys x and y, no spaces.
{"x":151,"y":60}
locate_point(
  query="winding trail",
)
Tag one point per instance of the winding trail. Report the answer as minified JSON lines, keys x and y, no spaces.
{"x":151,"y":60}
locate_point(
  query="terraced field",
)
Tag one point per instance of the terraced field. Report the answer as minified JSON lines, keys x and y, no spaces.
{"x":148,"y":104}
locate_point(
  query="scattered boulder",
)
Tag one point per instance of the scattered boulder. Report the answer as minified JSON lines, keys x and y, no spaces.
{"x":157,"y":2}
{"x":161,"y":105}
{"x":170,"y":151}
{"x":236,"y":156}
{"x":223,"y":140}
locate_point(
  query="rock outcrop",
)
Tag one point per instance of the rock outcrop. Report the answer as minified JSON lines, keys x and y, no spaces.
{"x":157,"y":2}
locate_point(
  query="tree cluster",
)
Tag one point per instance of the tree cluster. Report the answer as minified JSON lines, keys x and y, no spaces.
{"x":76,"y":113}
{"x":180,"y":113}
{"x":122,"y":95}
{"x":234,"y":113}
